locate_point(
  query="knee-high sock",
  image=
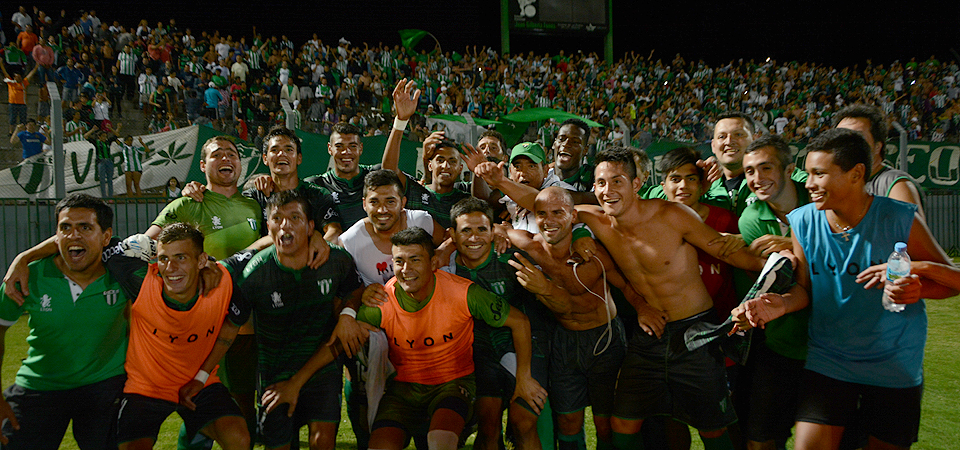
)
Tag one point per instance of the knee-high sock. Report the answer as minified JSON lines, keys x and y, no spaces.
{"x":626,"y":441}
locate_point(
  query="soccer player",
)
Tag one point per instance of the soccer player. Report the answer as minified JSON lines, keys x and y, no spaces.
{"x":777,"y":360}
{"x":78,"y":337}
{"x":657,"y":241}
{"x":440,"y":194}
{"x":588,"y":347}
{"x":283,"y":153}
{"x":345,"y":179}
{"x":428,"y":320}
{"x":861,"y":359}
{"x":368,"y":240}
{"x":476,"y":260}
{"x":177,"y":337}
{"x":295,"y":310}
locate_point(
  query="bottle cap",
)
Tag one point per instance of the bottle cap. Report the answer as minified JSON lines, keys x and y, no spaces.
{"x":900,"y":246}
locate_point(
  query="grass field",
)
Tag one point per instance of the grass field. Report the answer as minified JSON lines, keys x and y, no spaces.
{"x":939,"y":427}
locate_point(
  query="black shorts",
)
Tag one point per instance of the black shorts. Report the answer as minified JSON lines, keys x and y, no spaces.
{"x":319,"y":401}
{"x":44,"y":415}
{"x":774,"y":390}
{"x":891,"y":415}
{"x":141,"y":417}
{"x":662,"y":377}
{"x":578,"y":378}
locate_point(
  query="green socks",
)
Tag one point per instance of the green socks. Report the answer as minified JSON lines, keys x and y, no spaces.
{"x":626,"y":441}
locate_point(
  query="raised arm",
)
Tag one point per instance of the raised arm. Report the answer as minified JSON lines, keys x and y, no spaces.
{"x":405,"y":99}
{"x":493,"y":175}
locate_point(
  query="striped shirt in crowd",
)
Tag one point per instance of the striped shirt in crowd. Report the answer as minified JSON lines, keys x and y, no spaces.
{"x":132,"y":156}
{"x":254,"y":59}
{"x":148,"y":83}
{"x":128,"y":63}
{"x":70,"y":126}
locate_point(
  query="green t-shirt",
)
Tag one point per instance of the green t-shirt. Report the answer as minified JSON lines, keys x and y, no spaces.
{"x":228,"y":224}
{"x":77,"y":337}
{"x":483,"y":305}
{"x":787,"y":335}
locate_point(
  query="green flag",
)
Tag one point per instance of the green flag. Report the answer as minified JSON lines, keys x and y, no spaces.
{"x":410,"y":37}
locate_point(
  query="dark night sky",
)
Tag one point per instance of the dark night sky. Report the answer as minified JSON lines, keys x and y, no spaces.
{"x":837,"y":32}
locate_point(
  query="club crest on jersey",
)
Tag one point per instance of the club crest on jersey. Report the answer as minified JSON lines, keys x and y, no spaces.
{"x":217,"y":223}
{"x":336,"y":196}
{"x":45,"y":303}
{"x":499,"y":287}
{"x":111,"y":296}
{"x":325,"y":286}
{"x":253,"y":223}
{"x":277,"y":302}
{"x":426,"y":198}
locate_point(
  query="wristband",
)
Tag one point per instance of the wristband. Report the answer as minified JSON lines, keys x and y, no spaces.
{"x":399,"y":125}
{"x":349,"y":312}
{"x":202,"y":376}
{"x":581,"y":232}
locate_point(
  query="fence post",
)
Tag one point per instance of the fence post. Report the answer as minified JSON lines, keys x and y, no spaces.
{"x":56,"y":139}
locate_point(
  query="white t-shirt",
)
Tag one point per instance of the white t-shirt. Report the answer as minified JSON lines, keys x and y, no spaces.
{"x":373,"y":265}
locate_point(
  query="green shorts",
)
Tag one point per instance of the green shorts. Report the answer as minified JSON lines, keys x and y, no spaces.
{"x":410,"y":406}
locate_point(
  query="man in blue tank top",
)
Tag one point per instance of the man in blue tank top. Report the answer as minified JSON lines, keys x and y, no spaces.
{"x":859,"y":355}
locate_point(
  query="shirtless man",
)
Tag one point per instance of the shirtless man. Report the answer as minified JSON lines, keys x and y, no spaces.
{"x":656,"y":242}
{"x":588,"y":347}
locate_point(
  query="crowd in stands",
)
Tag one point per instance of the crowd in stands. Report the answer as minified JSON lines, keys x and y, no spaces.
{"x":176,"y":76}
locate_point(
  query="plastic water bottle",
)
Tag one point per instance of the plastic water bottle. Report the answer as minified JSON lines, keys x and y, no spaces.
{"x":898,"y":266}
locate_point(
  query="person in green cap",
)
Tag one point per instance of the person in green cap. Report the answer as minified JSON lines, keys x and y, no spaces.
{"x":528,"y":167}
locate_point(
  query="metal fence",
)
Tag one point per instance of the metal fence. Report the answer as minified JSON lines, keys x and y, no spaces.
{"x":942,"y":209}
{"x":28,"y":222}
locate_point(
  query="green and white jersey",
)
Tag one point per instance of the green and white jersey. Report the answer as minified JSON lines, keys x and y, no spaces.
{"x":228,"y":224}
{"x":128,"y":63}
{"x":132,"y":157}
{"x":347,"y":194}
{"x":70,"y":126}
{"x":438,"y":205}
{"x":77,"y":336}
{"x":294,"y":311}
